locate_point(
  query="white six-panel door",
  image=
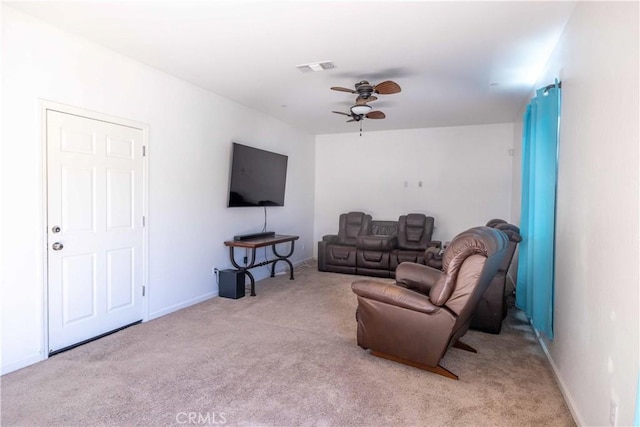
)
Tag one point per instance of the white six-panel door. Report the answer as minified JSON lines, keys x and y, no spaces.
{"x":95,"y":227}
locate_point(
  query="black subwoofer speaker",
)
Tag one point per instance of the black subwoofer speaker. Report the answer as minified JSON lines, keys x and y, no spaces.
{"x":231,"y":284}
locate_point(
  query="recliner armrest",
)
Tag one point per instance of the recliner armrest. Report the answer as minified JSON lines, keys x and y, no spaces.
{"x":392,"y":294}
{"x":330,"y":238}
{"x":417,"y":276}
{"x":435,"y":244}
{"x":431,"y":252}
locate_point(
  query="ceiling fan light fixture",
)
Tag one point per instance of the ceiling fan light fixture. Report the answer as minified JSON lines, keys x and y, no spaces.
{"x":361,"y":109}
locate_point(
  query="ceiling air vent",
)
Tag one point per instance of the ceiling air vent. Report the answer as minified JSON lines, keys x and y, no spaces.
{"x":316,"y":66}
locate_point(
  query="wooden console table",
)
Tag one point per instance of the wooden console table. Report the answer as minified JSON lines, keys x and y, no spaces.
{"x":254,"y":244}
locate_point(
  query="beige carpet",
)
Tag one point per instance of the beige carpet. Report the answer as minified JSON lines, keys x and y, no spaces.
{"x":287,"y":357}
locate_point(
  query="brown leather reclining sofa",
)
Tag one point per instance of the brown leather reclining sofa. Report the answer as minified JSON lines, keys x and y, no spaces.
{"x":492,"y":308}
{"x":375,"y":248}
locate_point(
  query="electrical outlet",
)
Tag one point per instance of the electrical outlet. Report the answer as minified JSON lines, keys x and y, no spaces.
{"x":613,"y":414}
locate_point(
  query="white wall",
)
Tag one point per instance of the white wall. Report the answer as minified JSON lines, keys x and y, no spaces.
{"x":465,"y":171}
{"x":595,"y":350}
{"x":191,"y":131}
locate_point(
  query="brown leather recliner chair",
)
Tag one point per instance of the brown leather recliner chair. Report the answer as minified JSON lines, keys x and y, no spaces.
{"x":414,"y":237}
{"x":417,"y":319}
{"x":337,"y":253}
{"x":492,"y":308}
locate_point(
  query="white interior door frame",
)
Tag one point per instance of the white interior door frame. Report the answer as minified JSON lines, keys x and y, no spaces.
{"x":45,"y":106}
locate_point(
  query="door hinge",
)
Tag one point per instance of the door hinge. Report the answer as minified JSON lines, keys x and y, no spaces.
{"x":144,"y":150}
{"x":144,"y":221}
{"x":143,"y":290}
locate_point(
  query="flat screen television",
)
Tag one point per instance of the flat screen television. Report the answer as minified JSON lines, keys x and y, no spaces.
{"x":258,"y":177}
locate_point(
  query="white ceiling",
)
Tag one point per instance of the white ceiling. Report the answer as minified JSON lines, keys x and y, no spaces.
{"x":444,"y":55}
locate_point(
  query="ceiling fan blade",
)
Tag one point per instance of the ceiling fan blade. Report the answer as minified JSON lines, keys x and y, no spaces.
{"x":387,"y":88}
{"x":375,"y":115}
{"x":352,"y":120}
{"x":343,"y":89}
{"x":363,"y":101}
{"x":340,"y":112}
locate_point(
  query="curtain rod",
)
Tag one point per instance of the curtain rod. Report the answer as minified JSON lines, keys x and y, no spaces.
{"x":546,"y":88}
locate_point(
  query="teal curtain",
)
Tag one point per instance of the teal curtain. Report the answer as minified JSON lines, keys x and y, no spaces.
{"x":534,"y":288}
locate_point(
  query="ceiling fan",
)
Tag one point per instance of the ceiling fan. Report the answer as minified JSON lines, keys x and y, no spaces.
{"x":361,"y":110}
{"x":364,"y":89}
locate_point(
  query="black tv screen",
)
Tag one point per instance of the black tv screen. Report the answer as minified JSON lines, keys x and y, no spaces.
{"x":258,"y":177}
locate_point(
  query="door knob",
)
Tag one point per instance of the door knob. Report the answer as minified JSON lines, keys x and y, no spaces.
{"x":57,"y":246}
{"x":55,"y":229}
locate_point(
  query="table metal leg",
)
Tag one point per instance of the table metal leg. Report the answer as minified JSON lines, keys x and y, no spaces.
{"x":253,"y":282}
{"x":253,"y":264}
{"x":283,"y":258}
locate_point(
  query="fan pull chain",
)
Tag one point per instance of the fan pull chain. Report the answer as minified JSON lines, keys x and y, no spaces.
{"x":360,"y":127}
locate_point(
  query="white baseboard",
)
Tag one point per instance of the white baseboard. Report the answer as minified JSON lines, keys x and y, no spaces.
{"x":30,"y":360}
{"x":282,"y":268}
{"x":303,"y":261}
{"x":22,"y":363}
{"x":181,"y":305}
{"x":563,"y":387}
